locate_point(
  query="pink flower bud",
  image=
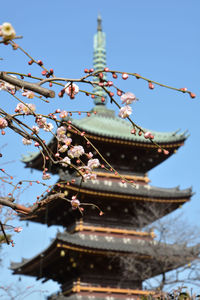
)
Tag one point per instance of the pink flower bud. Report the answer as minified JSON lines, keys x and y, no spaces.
{"x":166,"y":152}
{"x":40,"y":63}
{"x":44,"y":72}
{"x":18,"y":229}
{"x":110,"y":83}
{"x":192,"y":95}
{"x":133,"y":131}
{"x":151,"y":86}
{"x":124,"y":76}
{"x":119,"y":93}
{"x":183,"y":89}
{"x":137,"y":76}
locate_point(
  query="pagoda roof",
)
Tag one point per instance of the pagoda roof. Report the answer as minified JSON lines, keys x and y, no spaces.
{"x":109,"y":192}
{"x":105,"y":127}
{"x":105,"y":124}
{"x":115,"y":188}
{"x":109,"y":245}
{"x":113,"y":243}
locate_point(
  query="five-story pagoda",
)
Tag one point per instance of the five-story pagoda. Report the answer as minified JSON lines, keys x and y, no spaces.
{"x":86,"y":258}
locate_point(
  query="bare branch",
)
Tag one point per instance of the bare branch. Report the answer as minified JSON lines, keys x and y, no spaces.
{"x":27,"y":85}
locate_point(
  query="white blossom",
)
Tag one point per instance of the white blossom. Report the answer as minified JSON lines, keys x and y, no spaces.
{"x":76,"y":151}
{"x":128,"y":98}
{"x":7,"y":31}
{"x":125,"y":111}
{"x":26,"y":141}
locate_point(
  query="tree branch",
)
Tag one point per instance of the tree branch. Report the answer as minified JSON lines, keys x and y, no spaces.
{"x":27,"y":85}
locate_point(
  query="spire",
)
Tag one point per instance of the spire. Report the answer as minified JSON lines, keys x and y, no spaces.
{"x":99,"y":59}
{"x":99,"y":21}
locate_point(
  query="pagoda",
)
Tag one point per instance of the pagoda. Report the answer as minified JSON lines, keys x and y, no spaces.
{"x":86,"y":259}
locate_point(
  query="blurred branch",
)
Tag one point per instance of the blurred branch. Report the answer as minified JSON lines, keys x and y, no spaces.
{"x":27,"y":85}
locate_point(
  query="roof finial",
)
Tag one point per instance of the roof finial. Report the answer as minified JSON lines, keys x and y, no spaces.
{"x":99,"y":21}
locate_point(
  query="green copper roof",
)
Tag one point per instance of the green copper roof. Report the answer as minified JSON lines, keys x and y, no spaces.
{"x":99,"y":59}
{"x":106,"y":124}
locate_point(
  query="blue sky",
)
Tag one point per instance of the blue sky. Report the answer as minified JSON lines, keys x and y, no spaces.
{"x":157,"y":39}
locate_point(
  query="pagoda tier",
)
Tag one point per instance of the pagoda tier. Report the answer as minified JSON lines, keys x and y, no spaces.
{"x":112,"y":137}
{"x":135,"y":205}
{"x":92,"y":260}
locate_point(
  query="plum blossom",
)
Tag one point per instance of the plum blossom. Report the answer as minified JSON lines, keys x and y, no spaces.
{"x":5,"y":86}
{"x":87,"y":173}
{"x":93,"y":163}
{"x":26,"y":141}
{"x":75,"y":203}
{"x":3,"y":123}
{"x":48,"y":127}
{"x":18,"y":108}
{"x":61,"y":131}
{"x":125,"y":111}
{"x":128,"y":98}
{"x":18,"y":229}
{"x":35,"y":129}
{"x":27,"y":108}
{"x":41,"y":121}
{"x":67,"y":141}
{"x":46,"y":176}
{"x":7,"y":31}
{"x":63,"y":149}
{"x":89,"y":176}
{"x":76,"y":151}
{"x":90,"y":155}
{"x":28,"y":94}
{"x":63,"y":114}
{"x":66,"y":161}
{"x":71,"y":89}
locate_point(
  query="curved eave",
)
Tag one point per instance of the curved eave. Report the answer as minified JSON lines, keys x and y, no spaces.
{"x":103,"y":245}
{"x":108,"y":127}
{"x":119,"y":190}
{"x":105,"y":127}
